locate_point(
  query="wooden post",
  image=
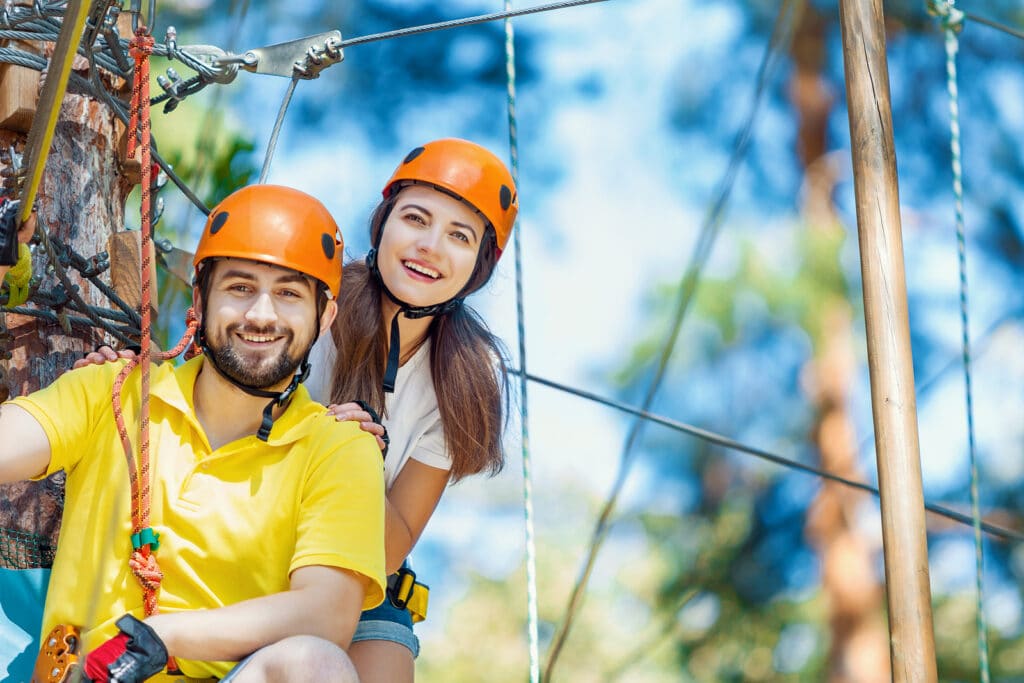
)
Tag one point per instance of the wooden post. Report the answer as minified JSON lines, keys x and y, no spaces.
{"x":894,"y":408}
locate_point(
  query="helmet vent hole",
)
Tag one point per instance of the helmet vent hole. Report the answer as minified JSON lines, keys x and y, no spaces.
{"x":505,"y":195}
{"x":218,"y":222}
{"x":327,"y":242}
{"x":413,"y":154}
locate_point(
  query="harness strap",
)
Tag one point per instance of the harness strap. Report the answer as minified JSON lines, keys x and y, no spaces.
{"x":405,"y":592}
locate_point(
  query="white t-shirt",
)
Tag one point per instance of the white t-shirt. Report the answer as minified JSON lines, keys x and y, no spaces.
{"x":413,"y":419}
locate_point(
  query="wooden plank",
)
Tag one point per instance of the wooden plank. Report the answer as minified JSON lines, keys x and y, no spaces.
{"x":19,"y":91}
{"x":125,"y":249}
{"x":894,"y":408}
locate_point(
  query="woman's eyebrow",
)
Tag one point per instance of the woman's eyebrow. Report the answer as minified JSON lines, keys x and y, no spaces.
{"x":458,"y":224}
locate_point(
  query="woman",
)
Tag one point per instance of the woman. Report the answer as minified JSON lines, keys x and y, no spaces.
{"x":407,"y":346}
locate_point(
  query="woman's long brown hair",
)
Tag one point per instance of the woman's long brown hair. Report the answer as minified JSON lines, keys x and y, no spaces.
{"x":467,"y":362}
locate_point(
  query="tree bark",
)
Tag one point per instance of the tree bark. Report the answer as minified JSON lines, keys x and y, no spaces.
{"x":81,"y":202}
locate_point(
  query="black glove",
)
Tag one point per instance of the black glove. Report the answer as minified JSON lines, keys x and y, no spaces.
{"x":132,"y":656}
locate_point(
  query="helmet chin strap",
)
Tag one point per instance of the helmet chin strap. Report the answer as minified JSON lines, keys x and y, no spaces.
{"x":409,"y":311}
{"x":278,"y":398}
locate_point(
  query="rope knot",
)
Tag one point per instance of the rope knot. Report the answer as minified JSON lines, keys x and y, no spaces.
{"x":146,"y":570}
{"x":142,"y":44}
{"x":952,"y":19}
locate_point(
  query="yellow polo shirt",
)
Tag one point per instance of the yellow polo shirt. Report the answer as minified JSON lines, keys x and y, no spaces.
{"x":233,"y":522}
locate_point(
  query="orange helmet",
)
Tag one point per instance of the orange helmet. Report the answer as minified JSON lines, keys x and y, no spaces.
{"x":277,"y":225}
{"x":468,"y":171}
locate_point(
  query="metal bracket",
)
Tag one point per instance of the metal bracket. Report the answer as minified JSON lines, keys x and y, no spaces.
{"x":304,"y":58}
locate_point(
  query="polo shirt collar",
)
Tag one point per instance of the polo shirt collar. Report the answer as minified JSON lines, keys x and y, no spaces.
{"x":175,"y":389}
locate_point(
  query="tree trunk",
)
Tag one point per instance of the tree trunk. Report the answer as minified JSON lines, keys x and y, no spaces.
{"x":81,"y":202}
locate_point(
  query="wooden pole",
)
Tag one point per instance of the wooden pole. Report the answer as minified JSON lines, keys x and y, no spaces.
{"x":911,"y":640}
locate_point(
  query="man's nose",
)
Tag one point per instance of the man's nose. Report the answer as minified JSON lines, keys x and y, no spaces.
{"x":262,"y":311}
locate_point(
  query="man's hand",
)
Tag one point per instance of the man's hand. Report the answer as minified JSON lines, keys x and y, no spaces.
{"x":368,"y":421}
{"x":132,"y":656}
{"x":104,"y":354}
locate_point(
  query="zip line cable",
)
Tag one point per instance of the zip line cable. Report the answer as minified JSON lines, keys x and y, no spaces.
{"x":1016,"y":33}
{"x":1009,"y":535}
{"x":468,"y":21}
{"x":272,"y":145}
{"x":781,"y":33}
{"x":532,"y":621}
{"x":952,"y":21}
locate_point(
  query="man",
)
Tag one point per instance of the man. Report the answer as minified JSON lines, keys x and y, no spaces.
{"x":266,"y":514}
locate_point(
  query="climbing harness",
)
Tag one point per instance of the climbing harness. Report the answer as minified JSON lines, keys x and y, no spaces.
{"x":405,"y":592}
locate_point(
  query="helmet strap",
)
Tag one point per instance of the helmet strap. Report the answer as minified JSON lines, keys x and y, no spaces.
{"x":409,"y":311}
{"x":278,"y":398}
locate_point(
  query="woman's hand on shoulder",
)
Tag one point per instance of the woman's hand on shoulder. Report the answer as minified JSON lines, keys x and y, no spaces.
{"x":103,"y":354}
{"x":352,"y":411}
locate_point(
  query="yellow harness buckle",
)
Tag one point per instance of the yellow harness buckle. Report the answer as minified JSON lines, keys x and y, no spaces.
{"x":405,"y":592}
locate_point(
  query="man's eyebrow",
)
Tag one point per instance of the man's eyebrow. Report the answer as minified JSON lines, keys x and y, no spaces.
{"x":293,"y":276}
{"x":286,"y":276}
{"x":237,"y":274}
{"x":458,"y":224}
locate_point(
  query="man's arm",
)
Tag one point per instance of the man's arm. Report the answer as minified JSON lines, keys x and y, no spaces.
{"x":24,"y":447}
{"x":322,"y":601}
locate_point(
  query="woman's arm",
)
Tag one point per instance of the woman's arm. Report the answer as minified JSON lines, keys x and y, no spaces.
{"x":321,"y":601}
{"x":410,"y":504}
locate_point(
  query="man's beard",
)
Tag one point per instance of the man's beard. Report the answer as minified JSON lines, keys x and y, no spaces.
{"x":267,"y":373}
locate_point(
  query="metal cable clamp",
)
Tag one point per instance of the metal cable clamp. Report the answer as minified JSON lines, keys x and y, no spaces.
{"x":304,"y":58}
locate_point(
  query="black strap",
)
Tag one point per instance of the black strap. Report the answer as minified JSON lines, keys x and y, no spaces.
{"x":376,"y":419}
{"x":277,"y":398}
{"x":394,"y":352}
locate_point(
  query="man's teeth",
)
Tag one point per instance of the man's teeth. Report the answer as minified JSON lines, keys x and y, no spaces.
{"x":257,"y":338}
{"x":429,"y":272}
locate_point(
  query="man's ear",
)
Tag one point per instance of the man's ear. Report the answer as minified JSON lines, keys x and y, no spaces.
{"x":197,"y":303}
{"x":327,"y":317}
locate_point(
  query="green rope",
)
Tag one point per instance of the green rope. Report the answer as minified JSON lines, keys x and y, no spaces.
{"x":952,"y":21}
{"x":531,"y":548}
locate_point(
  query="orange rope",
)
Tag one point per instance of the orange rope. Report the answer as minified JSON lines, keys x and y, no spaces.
{"x":143,"y":562}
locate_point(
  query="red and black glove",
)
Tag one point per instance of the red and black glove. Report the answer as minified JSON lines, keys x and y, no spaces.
{"x":132,"y":656}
